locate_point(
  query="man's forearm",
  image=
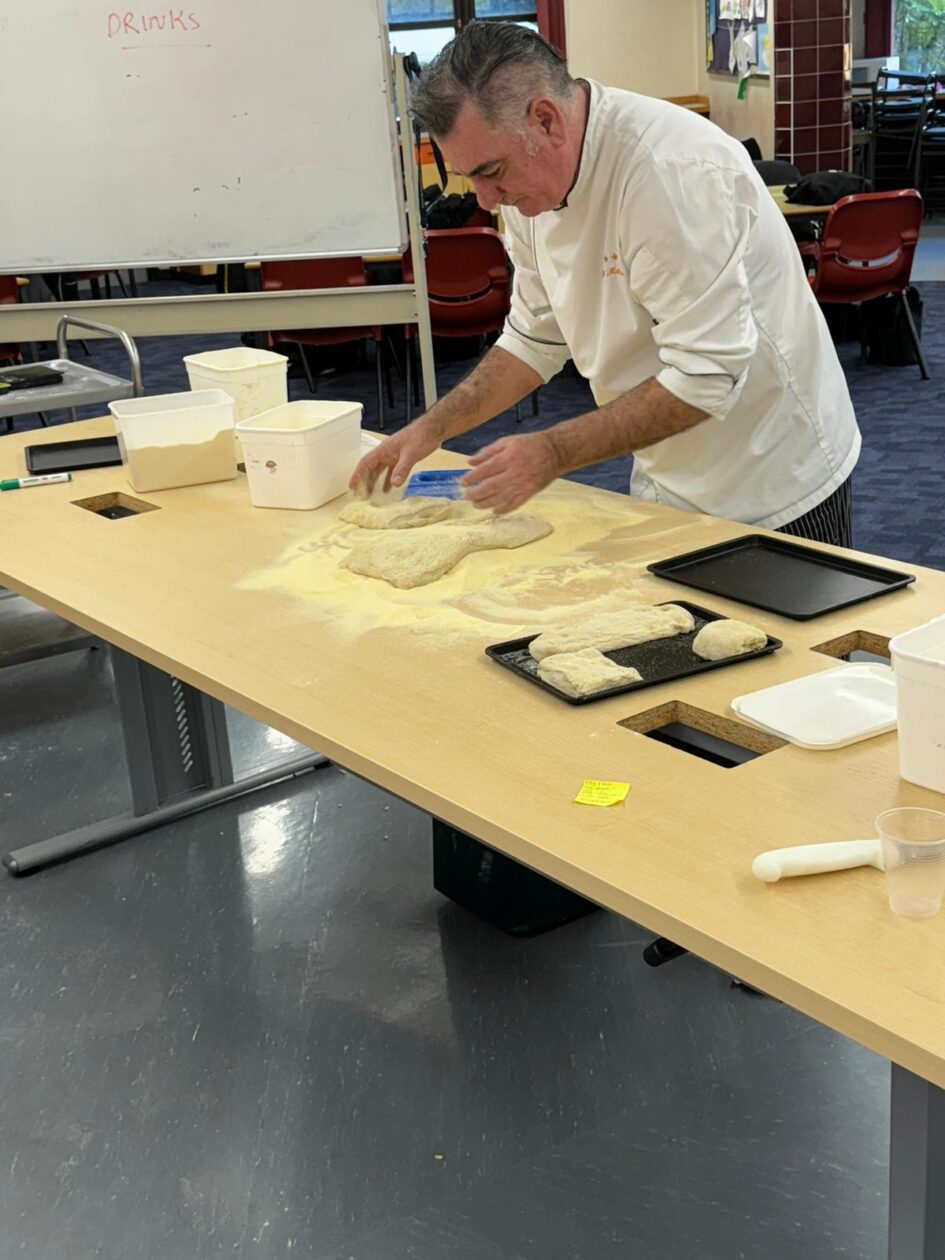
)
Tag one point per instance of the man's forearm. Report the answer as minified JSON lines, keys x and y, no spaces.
{"x":497,"y":382}
{"x":636,"y":419}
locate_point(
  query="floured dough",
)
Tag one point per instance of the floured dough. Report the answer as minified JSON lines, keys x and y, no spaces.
{"x":416,"y":559}
{"x":582,"y":673}
{"x":402,"y":513}
{"x":637,"y":623}
{"x":719,"y":639}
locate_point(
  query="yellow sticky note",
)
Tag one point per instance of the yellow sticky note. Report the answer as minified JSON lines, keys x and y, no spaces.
{"x":599,"y":792}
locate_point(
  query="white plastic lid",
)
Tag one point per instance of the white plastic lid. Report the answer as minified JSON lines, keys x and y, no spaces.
{"x":826,"y":710}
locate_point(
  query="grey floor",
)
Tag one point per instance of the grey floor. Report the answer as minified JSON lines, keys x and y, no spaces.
{"x":261,"y":1033}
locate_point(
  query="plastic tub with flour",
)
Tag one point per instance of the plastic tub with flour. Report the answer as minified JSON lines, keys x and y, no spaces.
{"x":170,"y":440}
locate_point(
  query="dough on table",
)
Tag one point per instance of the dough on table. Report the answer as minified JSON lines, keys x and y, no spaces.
{"x":582,"y":673}
{"x":637,"y":623}
{"x":418,"y":558}
{"x":727,"y":637}
{"x":402,"y":513}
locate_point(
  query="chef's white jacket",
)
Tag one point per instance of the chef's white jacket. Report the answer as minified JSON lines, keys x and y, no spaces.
{"x":671,"y":260}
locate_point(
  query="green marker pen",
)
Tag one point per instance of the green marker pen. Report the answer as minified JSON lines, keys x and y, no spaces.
{"x":22,"y":483}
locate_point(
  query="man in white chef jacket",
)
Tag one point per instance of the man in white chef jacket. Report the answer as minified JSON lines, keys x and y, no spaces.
{"x":647,"y":249}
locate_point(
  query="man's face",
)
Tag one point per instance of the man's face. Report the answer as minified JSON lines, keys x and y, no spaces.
{"x":505,"y":169}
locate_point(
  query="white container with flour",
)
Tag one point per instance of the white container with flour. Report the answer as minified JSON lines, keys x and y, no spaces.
{"x":254,"y":379}
{"x":301,"y":455}
{"x":171,"y":440}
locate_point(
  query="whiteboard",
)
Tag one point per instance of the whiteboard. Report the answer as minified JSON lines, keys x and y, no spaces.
{"x":200,"y":131}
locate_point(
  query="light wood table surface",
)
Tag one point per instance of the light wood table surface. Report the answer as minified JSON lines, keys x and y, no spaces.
{"x":448,"y":730}
{"x":793,"y":210}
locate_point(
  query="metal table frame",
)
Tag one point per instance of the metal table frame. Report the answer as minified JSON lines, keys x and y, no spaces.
{"x":178,"y":756}
{"x":916,"y":1168}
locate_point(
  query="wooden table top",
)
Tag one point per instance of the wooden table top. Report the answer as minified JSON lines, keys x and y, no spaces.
{"x":239,"y":602}
{"x":792,"y":210}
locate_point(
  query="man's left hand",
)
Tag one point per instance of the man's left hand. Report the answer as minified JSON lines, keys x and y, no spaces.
{"x":507,"y":473}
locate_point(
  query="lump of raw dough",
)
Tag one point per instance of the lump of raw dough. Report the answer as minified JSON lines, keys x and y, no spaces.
{"x":401,"y":514}
{"x":719,"y":639}
{"x":637,"y":623}
{"x":582,"y":673}
{"x":416,"y":559}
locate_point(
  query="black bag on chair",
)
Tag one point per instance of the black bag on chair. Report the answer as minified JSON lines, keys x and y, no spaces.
{"x":885,"y":332}
{"x":823,"y":188}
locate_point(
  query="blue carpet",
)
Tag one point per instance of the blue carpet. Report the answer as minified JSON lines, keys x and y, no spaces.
{"x":898,"y":485}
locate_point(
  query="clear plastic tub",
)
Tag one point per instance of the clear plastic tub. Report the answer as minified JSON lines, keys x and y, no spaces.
{"x":171,"y":440}
{"x":918,"y":657}
{"x":301,"y":455}
{"x":254,"y":379}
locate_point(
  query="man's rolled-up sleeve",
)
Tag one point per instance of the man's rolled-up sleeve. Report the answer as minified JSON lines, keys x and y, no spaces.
{"x":531,"y":331}
{"x":692,"y":222}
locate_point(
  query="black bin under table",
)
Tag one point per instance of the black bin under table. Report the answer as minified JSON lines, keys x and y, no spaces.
{"x":498,"y":889}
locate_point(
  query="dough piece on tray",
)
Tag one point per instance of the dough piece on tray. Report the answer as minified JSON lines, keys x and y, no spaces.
{"x":582,"y":673}
{"x":727,"y":637}
{"x":637,"y":623}
{"x":416,"y":559}
{"x":401,"y":514}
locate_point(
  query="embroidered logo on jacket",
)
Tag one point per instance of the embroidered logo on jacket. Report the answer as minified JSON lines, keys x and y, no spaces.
{"x":612,"y":266}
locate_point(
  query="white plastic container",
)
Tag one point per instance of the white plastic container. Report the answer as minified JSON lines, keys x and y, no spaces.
{"x":301,"y":455}
{"x":829,"y":709}
{"x":254,"y":379}
{"x":918,"y":657}
{"x":171,"y":440}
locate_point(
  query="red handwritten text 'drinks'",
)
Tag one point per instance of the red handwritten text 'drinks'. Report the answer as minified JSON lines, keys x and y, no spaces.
{"x":171,"y":19}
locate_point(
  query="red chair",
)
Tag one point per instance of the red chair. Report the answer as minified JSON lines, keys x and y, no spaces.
{"x":866,"y":252}
{"x":324,"y":273}
{"x":468,"y":286}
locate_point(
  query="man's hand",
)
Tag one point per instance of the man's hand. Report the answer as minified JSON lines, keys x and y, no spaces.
{"x":507,"y":473}
{"x":394,"y":458}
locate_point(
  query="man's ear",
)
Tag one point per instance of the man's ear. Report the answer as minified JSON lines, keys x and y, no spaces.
{"x":547,"y":116}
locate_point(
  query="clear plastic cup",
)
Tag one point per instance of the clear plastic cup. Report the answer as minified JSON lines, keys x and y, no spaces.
{"x":913,"y":843}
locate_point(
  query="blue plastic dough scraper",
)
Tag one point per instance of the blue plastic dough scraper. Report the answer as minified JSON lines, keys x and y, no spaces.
{"x":436,"y":483}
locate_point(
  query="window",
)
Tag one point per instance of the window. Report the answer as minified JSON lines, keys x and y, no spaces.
{"x":919,"y":35}
{"x":425,"y":26}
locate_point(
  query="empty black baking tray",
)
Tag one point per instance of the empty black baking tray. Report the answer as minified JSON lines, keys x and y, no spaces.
{"x":780,"y":576}
{"x":99,"y":452}
{"x":659,"y":661}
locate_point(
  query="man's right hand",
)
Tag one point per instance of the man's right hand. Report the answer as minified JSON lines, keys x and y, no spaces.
{"x":394,"y":458}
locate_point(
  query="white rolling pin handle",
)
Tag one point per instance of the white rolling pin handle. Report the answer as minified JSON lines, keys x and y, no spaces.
{"x":812,"y":859}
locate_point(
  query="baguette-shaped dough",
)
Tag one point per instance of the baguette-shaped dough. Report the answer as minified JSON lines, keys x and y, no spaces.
{"x":727,"y":637}
{"x":637,"y":623}
{"x":582,"y":673}
{"x":418,"y":558}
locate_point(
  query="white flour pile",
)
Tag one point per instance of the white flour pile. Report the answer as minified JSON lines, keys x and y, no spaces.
{"x":490,"y":595}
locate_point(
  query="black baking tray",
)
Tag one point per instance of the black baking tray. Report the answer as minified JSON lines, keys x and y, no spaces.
{"x":780,"y":577}
{"x":100,"y":452}
{"x":659,"y":661}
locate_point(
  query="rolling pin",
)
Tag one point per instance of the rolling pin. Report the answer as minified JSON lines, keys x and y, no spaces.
{"x":812,"y":859}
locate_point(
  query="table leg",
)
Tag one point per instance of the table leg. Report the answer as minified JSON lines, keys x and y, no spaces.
{"x":178,"y":756}
{"x":916,"y":1168}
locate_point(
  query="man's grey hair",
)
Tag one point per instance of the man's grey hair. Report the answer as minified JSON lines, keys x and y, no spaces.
{"x":499,"y":67}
